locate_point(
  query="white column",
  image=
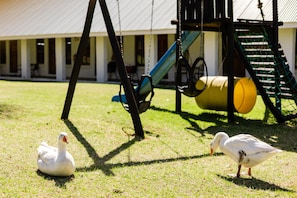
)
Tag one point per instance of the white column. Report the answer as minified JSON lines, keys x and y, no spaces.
{"x":25,"y":59}
{"x":287,"y":39}
{"x":211,"y":52}
{"x":60,"y":59}
{"x":101,"y":59}
{"x":150,"y":52}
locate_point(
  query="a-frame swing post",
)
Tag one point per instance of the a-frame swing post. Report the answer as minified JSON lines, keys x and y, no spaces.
{"x":121,"y":67}
{"x":133,"y":108}
{"x":78,"y":60}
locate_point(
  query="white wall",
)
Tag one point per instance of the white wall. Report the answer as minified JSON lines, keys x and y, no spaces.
{"x":287,"y":39}
{"x":60,"y":59}
{"x":211,"y":52}
{"x":102,"y":59}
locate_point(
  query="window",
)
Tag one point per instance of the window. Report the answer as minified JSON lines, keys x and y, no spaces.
{"x":162,"y":45}
{"x":68,"y":51}
{"x":40,"y":51}
{"x":2,"y":52}
{"x":139,"y":50}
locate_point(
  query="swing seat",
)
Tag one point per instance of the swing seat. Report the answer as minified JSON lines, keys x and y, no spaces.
{"x":142,"y":107}
{"x":142,"y":104}
{"x":190,"y":89}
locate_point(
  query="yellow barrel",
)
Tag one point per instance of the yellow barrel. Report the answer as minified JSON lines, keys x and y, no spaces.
{"x":214,"y":97}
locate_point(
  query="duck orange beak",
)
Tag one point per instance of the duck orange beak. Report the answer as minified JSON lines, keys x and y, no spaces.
{"x":211,"y":151}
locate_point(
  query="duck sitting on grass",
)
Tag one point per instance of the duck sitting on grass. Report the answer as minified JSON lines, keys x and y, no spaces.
{"x":56,"y":161}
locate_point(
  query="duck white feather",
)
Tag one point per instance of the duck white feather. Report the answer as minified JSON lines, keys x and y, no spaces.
{"x":56,"y":161}
{"x":244,"y":149}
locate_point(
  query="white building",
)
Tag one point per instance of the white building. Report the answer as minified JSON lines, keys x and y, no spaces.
{"x":47,"y":33}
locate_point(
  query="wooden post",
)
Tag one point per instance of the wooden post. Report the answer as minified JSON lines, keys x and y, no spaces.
{"x":230,"y":34}
{"x":178,"y":75}
{"x":275,"y":48}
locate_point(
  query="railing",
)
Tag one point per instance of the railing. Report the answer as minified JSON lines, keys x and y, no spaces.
{"x":212,"y":10}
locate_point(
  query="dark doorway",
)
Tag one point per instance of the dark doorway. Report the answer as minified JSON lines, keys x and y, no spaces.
{"x":51,"y":56}
{"x":13,"y":46}
{"x":162,"y":47}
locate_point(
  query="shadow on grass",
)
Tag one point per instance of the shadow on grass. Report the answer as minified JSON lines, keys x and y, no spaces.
{"x":192,"y":119}
{"x":277,"y":135}
{"x":158,"y":161}
{"x":101,"y":162}
{"x":255,"y":183}
{"x":59,"y":181}
{"x":9,"y":111}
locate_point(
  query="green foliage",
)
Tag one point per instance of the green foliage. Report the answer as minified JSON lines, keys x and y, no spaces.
{"x":172,"y":161}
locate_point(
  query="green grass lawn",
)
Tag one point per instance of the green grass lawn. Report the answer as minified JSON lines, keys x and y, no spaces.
{"x":172,"y":161}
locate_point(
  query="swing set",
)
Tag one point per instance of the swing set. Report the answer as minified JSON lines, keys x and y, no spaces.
{"x":134,"y":102}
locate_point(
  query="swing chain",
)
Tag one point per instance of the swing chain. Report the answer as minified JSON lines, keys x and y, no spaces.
{"x":179,"y":40}
{"x":202,"y":35}
{"x":120,"y":28}
{"x":151,"y":38}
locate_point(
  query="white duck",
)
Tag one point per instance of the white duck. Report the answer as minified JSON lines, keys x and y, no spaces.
{"x":56,"y":161}
{"x":244,"y":149}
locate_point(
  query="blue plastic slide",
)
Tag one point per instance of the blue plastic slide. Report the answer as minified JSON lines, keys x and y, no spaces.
{"x":164,"y":65}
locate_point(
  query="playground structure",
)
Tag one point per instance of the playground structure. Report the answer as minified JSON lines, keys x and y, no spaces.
{"x":256,"y":42}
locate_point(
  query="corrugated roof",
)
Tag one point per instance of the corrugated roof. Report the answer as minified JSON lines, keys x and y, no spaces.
{"x":286,"y":10}
{"x":59,"y":18}
{"x":48,"y":18}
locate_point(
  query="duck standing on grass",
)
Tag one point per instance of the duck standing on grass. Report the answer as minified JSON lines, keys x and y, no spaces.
{"x":244,"y":149}
{"x":56,"y":161}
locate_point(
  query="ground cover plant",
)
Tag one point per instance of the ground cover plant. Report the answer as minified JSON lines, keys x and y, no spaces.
{"x":172,"y":161}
